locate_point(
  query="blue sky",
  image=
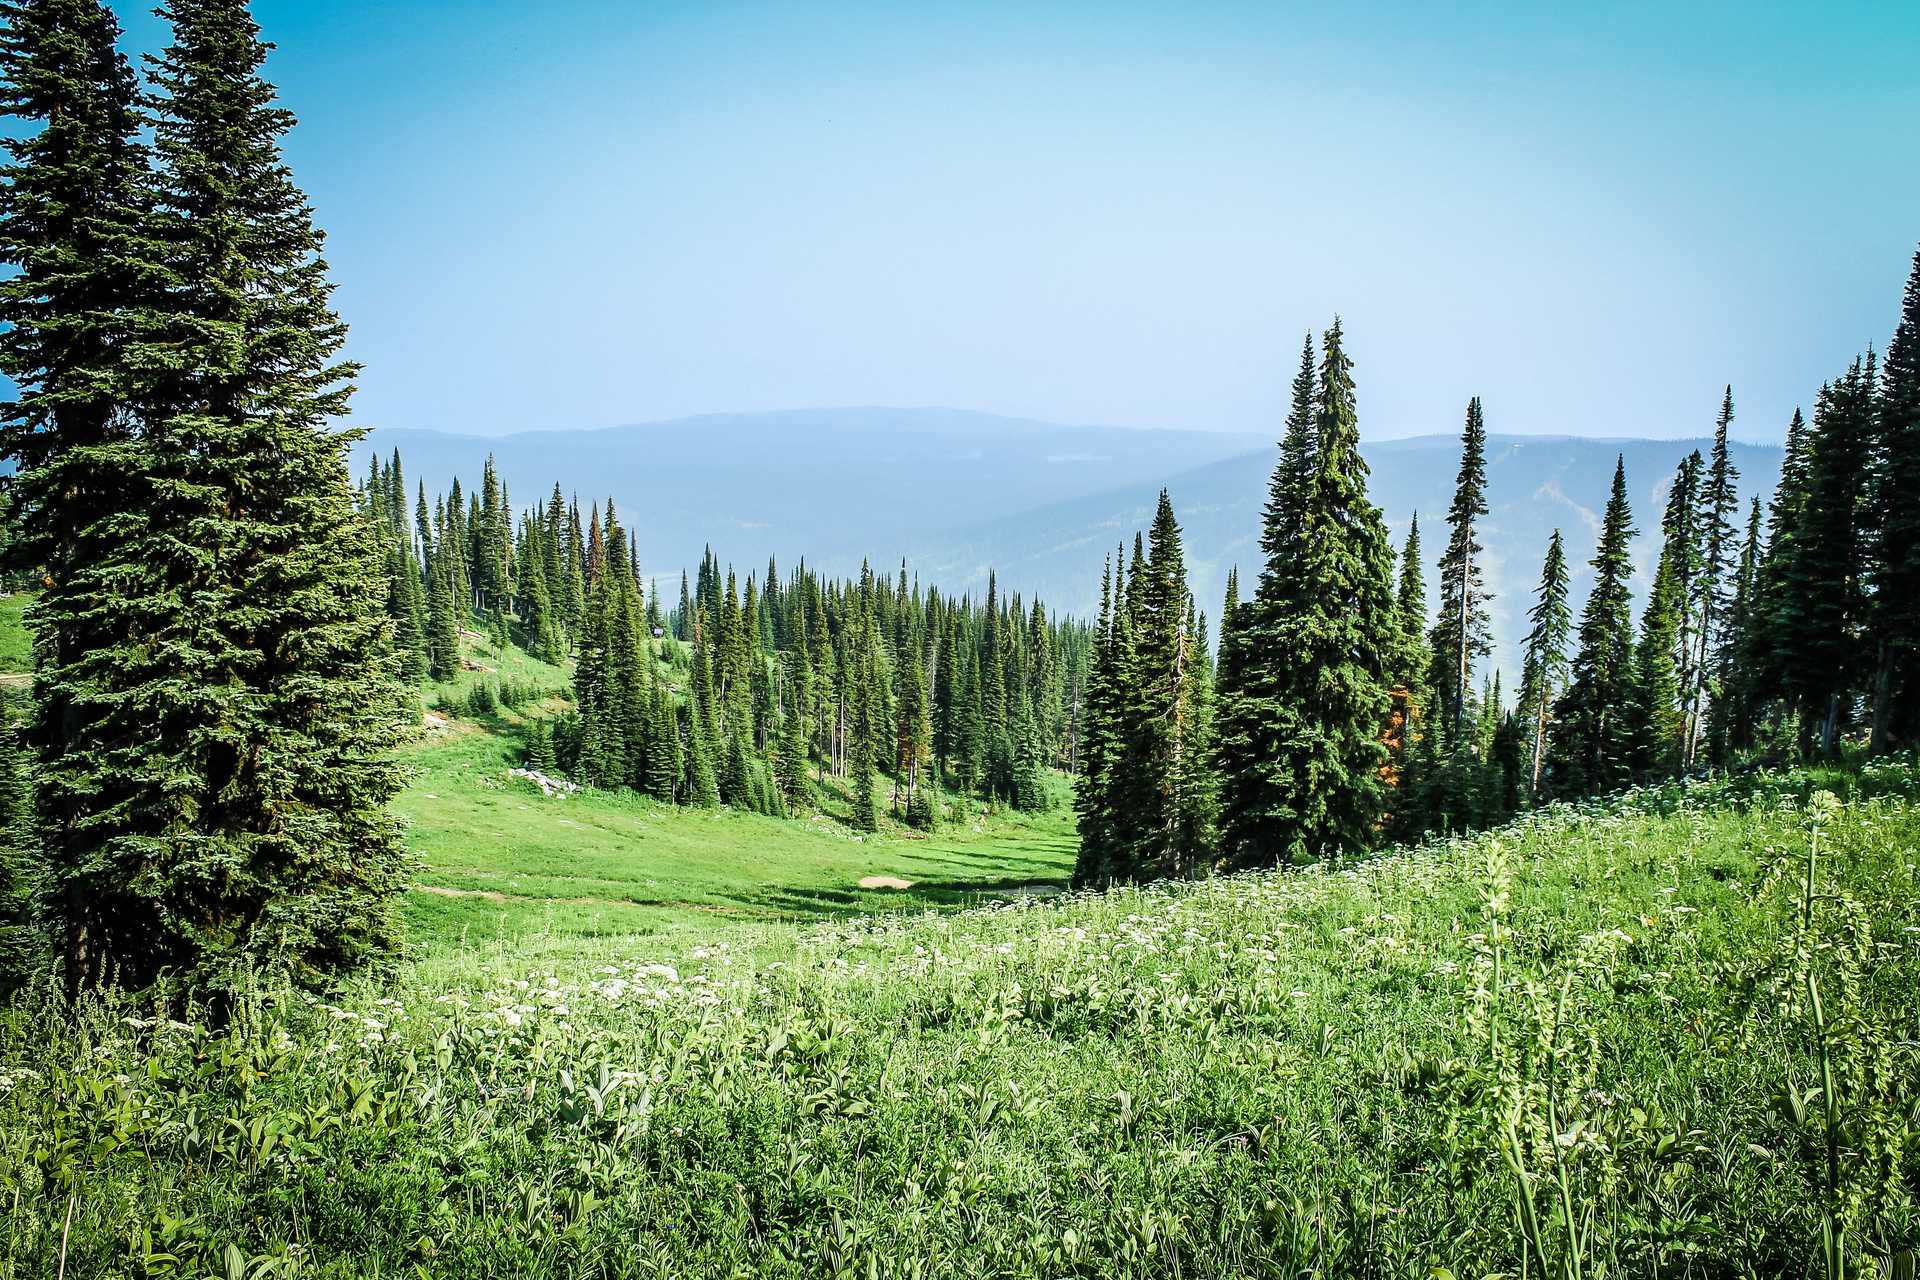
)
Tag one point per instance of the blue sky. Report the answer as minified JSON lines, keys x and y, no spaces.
{"x":582,"y":214}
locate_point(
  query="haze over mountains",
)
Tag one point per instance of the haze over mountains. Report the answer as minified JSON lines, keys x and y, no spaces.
{"x":956,"y":493}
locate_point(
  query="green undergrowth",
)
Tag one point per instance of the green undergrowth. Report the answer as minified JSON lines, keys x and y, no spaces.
{"x":1669,"y":1035}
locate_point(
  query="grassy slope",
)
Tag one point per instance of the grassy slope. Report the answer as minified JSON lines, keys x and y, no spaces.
{"x":1261,"y":1075}
{"x":615,"y":864}
{"x":599,"y":862}
{"x":498,"y":857}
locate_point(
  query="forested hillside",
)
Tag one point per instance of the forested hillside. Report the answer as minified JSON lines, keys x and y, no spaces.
{"x":1036,"y":500}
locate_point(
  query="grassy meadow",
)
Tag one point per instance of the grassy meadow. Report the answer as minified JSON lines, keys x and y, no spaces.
{"x":499,"y":857}
{"x":1673,"y":1034}
{"x":1584,"y":1045}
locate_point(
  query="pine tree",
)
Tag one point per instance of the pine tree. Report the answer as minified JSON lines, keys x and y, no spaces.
{"x":1590,"y":747}
{"x":666,"y":761}
{"x":701,"y":789}
{"x":1198,"y":816}
{"x":1250,"y":721}
{"x":736,"y":779}
{"x":1655,"y":722}
{"x":1158,"y":765}
{"x":539,"y":747}
{"x":1822,"y":609}
{"x":1460,"y":632}
{"x":913,"y":723}
{"x":254,"y":718}
{"x":865,"y":736}
{"x":443,"y":634}
{"x":74,"y":213}
{"x":796,"y":730}
{"x":1895,"y":564}
{"x":1407,"y":720}
{"x":1543,"y":671}
{"x":1720,"y":547}
{"x":1328,"y":637}
{"x":1682,"y":550}
{"x":1737,"y":664}
{"x":1099,"y":748}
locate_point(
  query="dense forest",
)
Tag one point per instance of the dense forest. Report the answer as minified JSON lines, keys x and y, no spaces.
{"x":734,"y":694}
{"x":1344,"y":714}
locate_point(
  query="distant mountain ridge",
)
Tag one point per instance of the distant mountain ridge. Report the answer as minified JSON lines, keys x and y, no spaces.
{"x":956,"y":493}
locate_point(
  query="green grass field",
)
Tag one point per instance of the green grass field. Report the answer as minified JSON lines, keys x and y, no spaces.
{"x":1583,"y":1045}
{"x":500,"y":857}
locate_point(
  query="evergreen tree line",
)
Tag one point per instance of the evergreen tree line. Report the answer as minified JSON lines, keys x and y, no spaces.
{"x":1343,"y":713}
{"x":755,"y":696}
{"x":800,"y":683}
{"x":210,"y":731}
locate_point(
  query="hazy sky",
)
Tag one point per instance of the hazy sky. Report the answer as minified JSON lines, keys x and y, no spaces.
{"x":581,"y":214}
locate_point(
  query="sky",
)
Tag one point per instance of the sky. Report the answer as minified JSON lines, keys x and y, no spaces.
{"x":573,"y":214}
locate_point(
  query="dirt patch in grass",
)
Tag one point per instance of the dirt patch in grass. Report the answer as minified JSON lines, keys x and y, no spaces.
{"x":884,"y":882}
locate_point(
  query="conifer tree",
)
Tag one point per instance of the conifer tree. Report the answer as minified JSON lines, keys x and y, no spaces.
{"x":1590,"y":749}
{"x":1198,"y":816}
{"x":1821,"y":613}
{"x":701,"y":789}
{"x":1719,"y":550}
{"x":1737,"y":664}
{"x":736,"y":780}
{"x":443,"y":634}
{"x":19,"y":872}
{"x":666,"y":761}
{"x":1543,"y":671}
{"x":250,"y":761}
{"x":74,"y":217}
{"x":1683,"y":539}
{"x":1250,"y":719}
{"x":1101,"y":799}
{"x":865,"y":736}
{"x":1460,"y":631}
{"x":796,"y":730}
{"x":1326,"y":639}
{"x":1895,"y":565}
{"x":1407,"y":719}
{"x":1654,"y":716}
{"x":913,"y":724}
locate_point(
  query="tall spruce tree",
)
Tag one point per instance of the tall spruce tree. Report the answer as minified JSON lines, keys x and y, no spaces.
{"x":1163,"y":772}
{"x":75,"y":320}
{"x":1719,"y":550}
{"x":238,"y":812}
{"x":1820,"y":616}
{"x":1332,"y":636}
{"x":1099,"y":749}
{"x":1736,"y":665}
{"x":1683,"y":539}
{"x":1543,"y":670}
{"x":1655,"y":721}
{"x":1461,"y":630}
{"x":1895,"y":565}
{"x":1250,"y":721}
{"x":1590,"y":749}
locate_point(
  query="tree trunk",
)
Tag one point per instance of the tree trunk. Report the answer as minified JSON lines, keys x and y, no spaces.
{"x":1881,"y":739}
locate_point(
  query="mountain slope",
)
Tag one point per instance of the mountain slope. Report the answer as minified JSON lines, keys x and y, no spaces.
{"x":832,"y":484}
